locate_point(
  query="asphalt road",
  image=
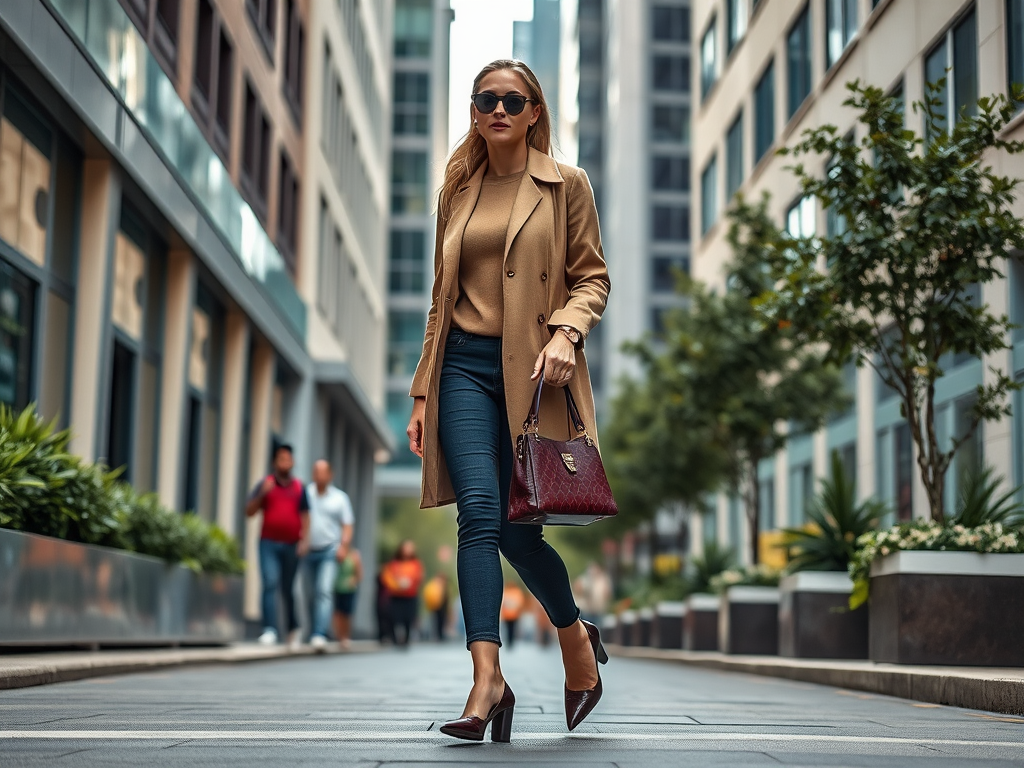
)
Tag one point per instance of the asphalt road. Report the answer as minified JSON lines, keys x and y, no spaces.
{"x":384,"y":708}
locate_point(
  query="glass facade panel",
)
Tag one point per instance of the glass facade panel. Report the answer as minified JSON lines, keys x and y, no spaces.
{"x":798,"y":62}
{"x":407,"y":261}
{"x":671,"y":23}
{"x":904,"y":452}
{"x":800,"y":220}
{"x":53,"y":384}
{"x":17,"y":319}
{"x":840,"y":27}
{"x":764,"y":113}
{"x":129,"y":285}
{"x":409,"y":182}
{"x":708,"y":59}
{"x":736,"y":12}
{"x":670,"y":172}
{"x":414,"y":27}
{"x":670,"y":123}
{"x":734,"y":157}
{"x":412,"y":96}
{"x":965,"y":66}
{"x":1015,"y":43}
{"x":766,"y":504}
{"x":672,"y":73}
{"x":665,"y":272}
{"x":405,"y":341}
{"x":145,"y":453}
{"x":709,"y":195}
{"x":671,"y":222}
{"x":24,"y":181}
{"x":399,"y":407}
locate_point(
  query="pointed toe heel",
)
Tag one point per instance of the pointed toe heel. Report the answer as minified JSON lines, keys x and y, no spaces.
{"x":579,"y":704}
{"x":501,"y":728}
{"x":473,"y":728}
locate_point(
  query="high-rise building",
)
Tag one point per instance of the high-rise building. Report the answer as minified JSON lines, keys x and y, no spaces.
{"x":419,"y":137}
{"x":771,"y":69}
{"x":192,"y":233}
{"x":640,"y":157}
{"x":537,"y":43}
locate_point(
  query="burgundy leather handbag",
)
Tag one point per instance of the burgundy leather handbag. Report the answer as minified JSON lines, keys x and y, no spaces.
{"x":558,"y":482}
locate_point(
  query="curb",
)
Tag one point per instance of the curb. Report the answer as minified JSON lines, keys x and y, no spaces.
{"x":46,"y":668}
{"x":993,"y":690}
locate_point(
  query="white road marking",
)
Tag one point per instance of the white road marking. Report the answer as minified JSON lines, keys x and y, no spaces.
{"x":434,"y":736}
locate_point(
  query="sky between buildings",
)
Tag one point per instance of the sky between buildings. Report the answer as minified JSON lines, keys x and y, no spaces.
{"x":481,"y":33}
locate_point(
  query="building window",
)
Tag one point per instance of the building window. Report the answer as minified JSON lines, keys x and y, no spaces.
{"x":399,"y":411}
{"x":734,"y":157}
{"x":671,"y":222}
{"x":25,"y":147}
{"x":213,"y":77}
{"x":798,"y":62}
{"x":764,"y":113}
{"x":407,"y":261}
{"x":800,"y":218}
{"x":904,"y":483}
{"x":671,"y":23}
{"x":840,"y":27}
{"x":709,"y":195}
{"x":670,"y":172}
{"x":708,"y":59}
{"x":158,"y":21}
{"x":409,"y":182}
{"x":412,"y":98}
{"x":263,"y":14}
{"x":17,"y":320}
{"x":736,"y":14}
{"x":801,"y":492}
{"x":1015,"y":44}
{"x":294,"y":62}
{"x":672,"y":73}
{"x":954,"y":64}
{"x":766,"y":504}
{"x":665,"y":271}
{"x":256,"y":150}
{"x":287,"y":212}
{"x":670,"y":123}
{"x":405,"y":341}
{"x":414,"y":27}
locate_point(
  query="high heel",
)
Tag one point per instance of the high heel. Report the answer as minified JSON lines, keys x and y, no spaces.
{"x":473,"y":728}
{"x":579,"y":704}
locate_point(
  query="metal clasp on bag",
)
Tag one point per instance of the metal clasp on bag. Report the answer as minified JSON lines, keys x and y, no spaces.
{"x":570,"y":462}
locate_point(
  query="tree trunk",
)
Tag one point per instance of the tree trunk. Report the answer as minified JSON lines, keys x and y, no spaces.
{"x":753,"y":502}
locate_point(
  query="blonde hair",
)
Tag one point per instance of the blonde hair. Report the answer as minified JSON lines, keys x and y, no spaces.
{"x":471,"y":152}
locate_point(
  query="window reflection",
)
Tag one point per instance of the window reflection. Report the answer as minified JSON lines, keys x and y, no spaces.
{"x":24,"y":193}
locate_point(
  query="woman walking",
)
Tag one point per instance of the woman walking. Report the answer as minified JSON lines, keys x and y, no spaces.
{"x":520,"y":280}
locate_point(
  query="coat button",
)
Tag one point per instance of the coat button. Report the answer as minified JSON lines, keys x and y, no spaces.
{"x":540,"y":319}
{"x":543,"y":275}
{"x":510,"y":273}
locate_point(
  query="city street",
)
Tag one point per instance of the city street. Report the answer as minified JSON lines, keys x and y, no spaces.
{"x":384,"y":709}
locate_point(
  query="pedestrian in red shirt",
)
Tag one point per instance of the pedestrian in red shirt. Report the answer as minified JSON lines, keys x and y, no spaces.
{"x":284,"y":538}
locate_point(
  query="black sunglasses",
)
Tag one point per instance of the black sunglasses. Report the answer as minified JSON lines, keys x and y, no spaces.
{"x":488,"y":102}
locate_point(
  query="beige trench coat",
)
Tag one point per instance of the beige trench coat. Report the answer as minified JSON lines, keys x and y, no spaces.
{"x":555,"y":274}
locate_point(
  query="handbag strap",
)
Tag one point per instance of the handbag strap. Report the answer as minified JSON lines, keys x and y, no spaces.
{"x":533,"y":417}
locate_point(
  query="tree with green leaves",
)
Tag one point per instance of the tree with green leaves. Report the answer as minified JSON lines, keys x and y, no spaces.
{"x":927,"y":223}
{"x":719,"y":386}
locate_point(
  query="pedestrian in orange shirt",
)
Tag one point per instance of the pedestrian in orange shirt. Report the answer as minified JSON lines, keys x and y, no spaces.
{"x":402,"y":576}
{"x":513,"y":600}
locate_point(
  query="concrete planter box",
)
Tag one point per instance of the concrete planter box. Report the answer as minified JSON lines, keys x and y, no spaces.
{"x":643,"y":628}
{"x":815,"y":620}
{"x":668,"y":625}
{"x":748,"y":621}
{"x":700,"y":624}
{"x":948,"y":608}
{"x":60,"y":593}
{"x":627,"y":622}
{"x":610,"y":628}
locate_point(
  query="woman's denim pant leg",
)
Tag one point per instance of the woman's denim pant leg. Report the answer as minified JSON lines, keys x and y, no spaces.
{"x":477,"y":446}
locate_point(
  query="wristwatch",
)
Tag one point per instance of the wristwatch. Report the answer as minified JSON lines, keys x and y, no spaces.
{"x":570,"y":333}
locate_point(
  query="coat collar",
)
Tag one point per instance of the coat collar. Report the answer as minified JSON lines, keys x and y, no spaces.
{"x":538,"y":166}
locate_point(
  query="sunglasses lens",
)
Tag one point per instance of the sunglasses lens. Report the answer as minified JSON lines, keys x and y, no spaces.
{"x":514,"y":104}
{"x":485,"y":102}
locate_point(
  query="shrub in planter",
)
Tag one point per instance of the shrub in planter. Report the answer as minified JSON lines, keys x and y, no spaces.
{"x":45,"y":490}
{"x":750,"y":576}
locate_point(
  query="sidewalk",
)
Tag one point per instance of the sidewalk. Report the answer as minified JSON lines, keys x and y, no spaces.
{"x":986,"y":688}
{"x":21,"y":670}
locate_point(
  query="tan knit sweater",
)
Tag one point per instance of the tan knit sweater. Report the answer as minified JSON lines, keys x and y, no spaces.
{"x":480,"y":308}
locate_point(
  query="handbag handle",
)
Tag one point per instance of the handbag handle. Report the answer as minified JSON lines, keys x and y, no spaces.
{"x":533,"y":417}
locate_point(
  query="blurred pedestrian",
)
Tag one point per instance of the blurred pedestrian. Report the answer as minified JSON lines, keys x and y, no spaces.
{"x":403,"y":576}
{"x":284,"y":538}
{"x":435,"y":600}
{"x":593,"y":589}
{"x":346,"y":584}
{"x":331,"y":523}
{"x":385,"y":621}
{"x":513,"y":600}
{"x":520,"y":280}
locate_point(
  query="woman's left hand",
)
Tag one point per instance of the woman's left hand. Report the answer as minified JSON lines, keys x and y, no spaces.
{"x":557,"y":360}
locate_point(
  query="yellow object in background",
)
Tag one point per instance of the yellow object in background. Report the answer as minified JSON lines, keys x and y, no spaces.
{"x":769,"y":552}
{"x":667,"y":565}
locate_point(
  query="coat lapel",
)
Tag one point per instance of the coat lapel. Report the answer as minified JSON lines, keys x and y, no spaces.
{"x":467,"y":199}
{"x":538,"y":167}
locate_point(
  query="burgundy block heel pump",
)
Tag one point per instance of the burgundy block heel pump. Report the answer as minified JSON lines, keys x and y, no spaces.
{"x":473,"y":728}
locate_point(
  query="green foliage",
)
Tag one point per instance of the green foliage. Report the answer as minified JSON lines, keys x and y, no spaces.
{"x":751,"y":576}
{"x":704,"y":567}
{"x":927,"y":223}
{"x":979,"y":504}
{"x":47,"y":491}
{"x":839,"y":521}
{"x":990,"y":537}
{"x":648,"y":591}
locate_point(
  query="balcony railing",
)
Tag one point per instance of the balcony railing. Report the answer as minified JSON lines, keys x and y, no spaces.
{"x":121,"y":54}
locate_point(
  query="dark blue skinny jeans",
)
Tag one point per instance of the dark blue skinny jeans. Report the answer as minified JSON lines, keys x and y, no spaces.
{"x":474,"y":434}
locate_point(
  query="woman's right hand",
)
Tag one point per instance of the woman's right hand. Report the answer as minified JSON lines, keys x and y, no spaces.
{"x":415,"y":428}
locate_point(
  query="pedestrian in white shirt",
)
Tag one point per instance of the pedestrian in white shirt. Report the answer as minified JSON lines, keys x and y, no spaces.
{"x":331,"y":523}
